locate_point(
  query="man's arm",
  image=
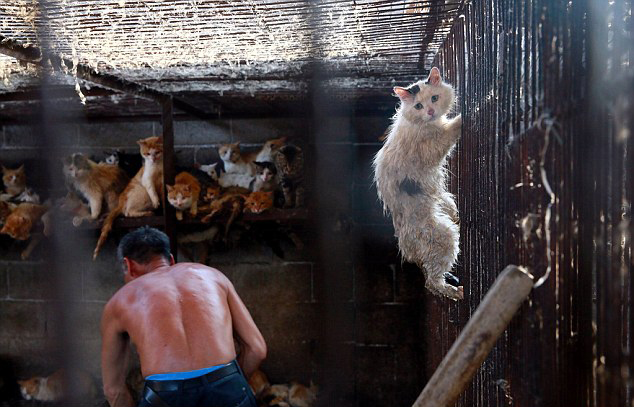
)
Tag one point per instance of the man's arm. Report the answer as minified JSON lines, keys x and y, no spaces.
{"x":115,"y":349}
{"x":253,"y":347}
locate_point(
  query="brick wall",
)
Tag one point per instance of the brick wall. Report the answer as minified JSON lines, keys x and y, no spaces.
{"x":350,"y":322}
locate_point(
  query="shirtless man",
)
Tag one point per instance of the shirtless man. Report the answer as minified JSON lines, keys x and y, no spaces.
{"x":182,"y":319}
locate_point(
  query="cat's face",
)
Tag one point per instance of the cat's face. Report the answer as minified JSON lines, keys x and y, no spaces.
{"x":112,"y":158}
{"x":258,"y":202}
{"x":151,"y":149}
{"x":179,"y":196}
{"x":13,"y":177}
{"x":424,"y":102}
{"x":76,"y":166}
{"x":17,"y":226}
{"x":29,"y":388}
{"x":230,"y":152}
{"x":272,"y":146}
{"x":212,"y":194}
{"x":266,"y":171}
{"x":289,"y":159}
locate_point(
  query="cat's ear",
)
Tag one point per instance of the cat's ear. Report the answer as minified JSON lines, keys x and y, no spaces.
{"x":434,"y":77}
{"x":403,"y":94}
{"x":169,"y":187}
{"x":259,"y":164}
{"x":20,"y":168}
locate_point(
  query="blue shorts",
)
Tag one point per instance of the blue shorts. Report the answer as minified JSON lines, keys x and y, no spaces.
{"x":217,"y":386}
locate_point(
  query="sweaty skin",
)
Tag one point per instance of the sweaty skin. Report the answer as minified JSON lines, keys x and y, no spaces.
{"x":180,"y":317}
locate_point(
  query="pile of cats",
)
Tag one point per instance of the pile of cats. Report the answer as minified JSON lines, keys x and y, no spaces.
{"x":293,"y":394}
{"x":411,"y":180}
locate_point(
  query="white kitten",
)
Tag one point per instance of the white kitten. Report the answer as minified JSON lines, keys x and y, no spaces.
{"x":411,"y":180}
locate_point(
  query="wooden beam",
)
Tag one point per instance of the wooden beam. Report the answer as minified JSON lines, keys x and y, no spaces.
{"x":169,"y":165}
{"x":477,"y":338}
{"x":54,"y":92}
{"x":34,"y":55}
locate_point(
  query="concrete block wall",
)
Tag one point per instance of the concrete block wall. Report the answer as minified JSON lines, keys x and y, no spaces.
{"x":369,"y":305}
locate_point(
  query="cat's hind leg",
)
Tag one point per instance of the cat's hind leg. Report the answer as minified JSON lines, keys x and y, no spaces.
{"x":448,"y":206}
{"x":441,"y":239}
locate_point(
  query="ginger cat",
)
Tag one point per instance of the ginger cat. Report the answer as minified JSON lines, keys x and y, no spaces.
{"x":14,"y":182}
{"x":54,"y":387}
{"x":233,"y":160}
{"x":232,"y":201}
{"x":140,"y":197}
{"x":258,"y":202}
{"x":95,"y":182}
{"x":5,"y":210}
{"x":21,"y":220}
{"x":184,"y":194}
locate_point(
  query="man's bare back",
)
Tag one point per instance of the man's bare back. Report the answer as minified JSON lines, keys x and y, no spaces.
{"x":183,"y":320}
{"x":178,"y":317}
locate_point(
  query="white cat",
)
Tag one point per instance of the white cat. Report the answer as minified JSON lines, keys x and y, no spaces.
{"x":411,"y":180}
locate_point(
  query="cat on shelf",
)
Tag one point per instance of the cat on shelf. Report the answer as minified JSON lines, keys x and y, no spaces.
{"x":231,"y":201}
{"x":141,"y":196}
{"x":233,"y":160}
{"x":94,"y":182}
{"x":20,"y":221}
{"x":184,"y":194}
{"x":266,"y":152}
{"x":258,"y":202}
{"x":54,"y":387}
{"x":128,"y":162}
{"x":72,"y":205}
{"x":289,"y":161}
{"x":14,"y":181}
{"x":265,"y":177}
{"x":411,"y":180}
{"x":28,"y":195}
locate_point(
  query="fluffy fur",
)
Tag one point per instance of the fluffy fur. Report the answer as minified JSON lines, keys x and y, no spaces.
{"x":95,"y":182}
{"x":232,"y":201}
{"x":53,"y":387}
{"x":411,"y":179}
{"x":258,"y":202}
{"x":233,"y":160}
{"x":184,"y":194}
{"x":289,"y":395}
{"x":14,"y":182}
{"x":141,"y":196}
{"x":227,"y":179}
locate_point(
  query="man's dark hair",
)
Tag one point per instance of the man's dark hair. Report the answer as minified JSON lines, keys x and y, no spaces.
{"x":143,"y":244}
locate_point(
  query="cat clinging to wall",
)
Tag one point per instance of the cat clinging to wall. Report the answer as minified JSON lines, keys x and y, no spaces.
{"x":411,"y":180}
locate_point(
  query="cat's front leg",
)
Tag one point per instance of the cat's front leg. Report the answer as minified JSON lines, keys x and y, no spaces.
{"x":179,"y":215}
{"x":95,"y":206}
{"x":454,"y":128}
{"x":154,"y":197}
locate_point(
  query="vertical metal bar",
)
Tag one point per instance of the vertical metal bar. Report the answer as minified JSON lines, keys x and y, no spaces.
{"x":167,"y":121}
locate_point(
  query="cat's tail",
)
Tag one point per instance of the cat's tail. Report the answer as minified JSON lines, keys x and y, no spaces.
{"x":106,"y":228}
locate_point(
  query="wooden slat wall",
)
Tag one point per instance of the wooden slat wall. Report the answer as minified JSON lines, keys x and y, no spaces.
{"x":531,"y":72}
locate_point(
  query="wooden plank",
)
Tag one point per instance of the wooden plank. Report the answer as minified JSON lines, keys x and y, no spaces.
{"x":169,"y":165}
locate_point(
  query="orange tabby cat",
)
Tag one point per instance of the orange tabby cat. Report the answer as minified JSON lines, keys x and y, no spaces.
{"x":140,"y":197}
{"x":5,"y":210}
{"x":259,"y":383}
{"x":53,"y":387}
{"x":96,"y":182}
{"x":233,"y":201}
{"x":184,"y":194}
{"x":258,"y":202}
{"x":14,"y":182}
{"x":19,"y":223}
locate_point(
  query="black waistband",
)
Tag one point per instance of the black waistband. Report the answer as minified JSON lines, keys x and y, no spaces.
{"x":174,"y":385}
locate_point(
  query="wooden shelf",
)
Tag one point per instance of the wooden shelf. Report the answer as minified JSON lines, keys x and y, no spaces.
{"x":273,"y":215}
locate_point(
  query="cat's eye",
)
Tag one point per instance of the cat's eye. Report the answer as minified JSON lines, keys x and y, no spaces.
{"x":434,"y":98}
{"x":418,"y":106}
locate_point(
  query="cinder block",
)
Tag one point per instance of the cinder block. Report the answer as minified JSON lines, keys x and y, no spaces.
{"x":333,"y":286}
{"x":194,"y":133}
{"x":288,"y":360}
{"x":114,"y":134}
{"x":366,"y":206}
{"x":373,"y":282}
{"x":410,"y":283}
{"x":337,"y":129}
{"x":299,"y":322}
{"x":206,"y":155}
{"x":101,"y":280}
{"x":30,"y":281}
{"x":364,"y":156}
{"x":409,"y":373}
{"x":388,"y":324}
{"x":22,"y":319}
{"x":257,"y":131}
{"x":184,"y":156}
{"x":288,"y":283}
{"x":375,"y":376}
{"x":27,"y":136}
{"x":14,"y":157}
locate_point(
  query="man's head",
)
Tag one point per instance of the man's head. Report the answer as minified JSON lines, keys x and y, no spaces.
{"x":142,"y":251}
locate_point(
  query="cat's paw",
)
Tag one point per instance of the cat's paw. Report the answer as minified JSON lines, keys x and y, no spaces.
{"x":155,"y":203}
{"x":77,"y":221}
{"x":179,"y":215}
{"x":457,"y":122}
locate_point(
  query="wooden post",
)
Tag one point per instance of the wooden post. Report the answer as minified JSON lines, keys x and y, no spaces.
{"x":477,"y":338}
